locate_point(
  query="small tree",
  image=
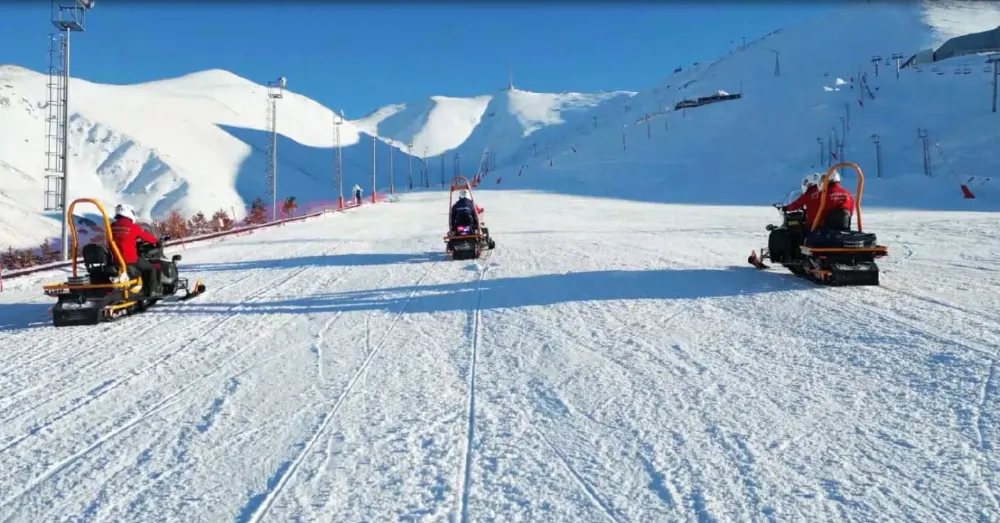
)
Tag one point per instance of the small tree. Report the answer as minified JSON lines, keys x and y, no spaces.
{"x":175,"y":225}
{"x":221,"y":221}
{"x":47,"y":253}
{"x":198,"y":224}
{"x":8,"y":260}
{"x":289,"y":206}
{"x":258,"y":212}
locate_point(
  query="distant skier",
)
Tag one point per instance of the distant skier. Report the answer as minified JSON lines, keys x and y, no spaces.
{"x":357,"y":194}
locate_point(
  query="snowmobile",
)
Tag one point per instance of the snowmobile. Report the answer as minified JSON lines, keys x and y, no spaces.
{"x":111,"y":289}
{"x":466,"y":241}
{"x":829,"y":254}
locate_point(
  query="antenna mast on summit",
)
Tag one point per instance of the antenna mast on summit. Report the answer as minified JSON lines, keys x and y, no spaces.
{"x":68,"y":16}
{"x":275,"y":91}
{"x":510,"y":76}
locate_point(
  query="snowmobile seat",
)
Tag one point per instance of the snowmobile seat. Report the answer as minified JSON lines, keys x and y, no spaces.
{"x":100,"y":264}
{"x":839,"y":239}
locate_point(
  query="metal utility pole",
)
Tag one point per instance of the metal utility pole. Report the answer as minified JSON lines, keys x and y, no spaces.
{"x":67,"y":16}
{"x":922,"y":134}
{"x":897,"y":57}
{"x":843,"y":135}
{"x":875,"y":61}
{"x":457,"y":167}
{"x":442,"y":170}
{"x":995,"y":60}
{"x":275,"y":91}
{"x":337,"y":121}
{"x":595,"y":122}
{"x":847,"y":114}
{"x":624,"y":145}
{"x":409,"y":169}
{"x":648,"y":133}
{"x":822,"y":151}
{"x":374,"y":134}
{"x":427,"y":171}
{"x":392,"y":188}
{"x":777,"y":63}
{"x":877,"y":140}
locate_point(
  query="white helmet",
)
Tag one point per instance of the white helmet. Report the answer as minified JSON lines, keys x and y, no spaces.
{"x":463,"y":194}
{"x":810,"y":180}
{"x":125,"y":211}
{"x":834,"y":177}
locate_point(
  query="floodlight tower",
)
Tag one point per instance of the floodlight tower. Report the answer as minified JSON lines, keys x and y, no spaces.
{"x":338,"y":120}
{"x":275,"y":92}
{"x":68,"y":16}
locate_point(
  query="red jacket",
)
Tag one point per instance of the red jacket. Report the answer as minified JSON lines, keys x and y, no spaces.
{"x":838,"y":198}
{"x":124,"y":233}
{"x":810,"y":200}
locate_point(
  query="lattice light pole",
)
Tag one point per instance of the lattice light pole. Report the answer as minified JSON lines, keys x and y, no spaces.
{"x":275,"y":92}
{"x":68,"y":16}
{"x":338,"y":120}
{"x":374,"y":139}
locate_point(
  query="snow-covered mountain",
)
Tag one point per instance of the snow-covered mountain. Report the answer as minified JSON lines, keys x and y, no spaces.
{"x":803,"y":88}
{"x":198,"y":142}
{"x":445,"y":124}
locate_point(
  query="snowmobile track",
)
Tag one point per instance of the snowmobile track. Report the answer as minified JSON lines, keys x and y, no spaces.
{"x":125,"y":377}
{"x":279,"y":486}
{"x":471,"y":402}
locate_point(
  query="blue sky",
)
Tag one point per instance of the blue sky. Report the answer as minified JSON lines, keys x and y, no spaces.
{"x":360,"y":57}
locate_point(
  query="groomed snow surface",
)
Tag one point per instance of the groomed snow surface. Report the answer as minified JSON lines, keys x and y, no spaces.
{"x":609,"y":361}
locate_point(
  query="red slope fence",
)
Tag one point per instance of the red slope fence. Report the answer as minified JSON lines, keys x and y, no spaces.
{"x":198,"y":228}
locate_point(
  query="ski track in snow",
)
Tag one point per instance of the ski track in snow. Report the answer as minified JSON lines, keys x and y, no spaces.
{"x":342,"y":369}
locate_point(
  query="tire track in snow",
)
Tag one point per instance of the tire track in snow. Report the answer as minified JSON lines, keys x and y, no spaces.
{"x":988,"y":382}
{"x":260,"y":505}
{"x":217,"y":403}
{"x":471,"y":399}
{"x":119,"y":326}
{"x":126,"y":377}
{"x":183,"y":393}
{"x":609,"y":511}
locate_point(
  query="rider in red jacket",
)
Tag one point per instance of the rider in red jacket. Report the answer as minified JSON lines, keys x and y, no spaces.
{"x":125,"y":232}
{"x":837,"y":197}
{"x":809,"y":198}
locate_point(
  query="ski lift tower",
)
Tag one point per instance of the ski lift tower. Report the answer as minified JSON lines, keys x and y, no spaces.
{"x":275,"y":91}
{"x":68,"y":16}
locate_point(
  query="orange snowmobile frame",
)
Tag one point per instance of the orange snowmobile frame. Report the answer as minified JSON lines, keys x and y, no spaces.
{"x":459,"y":183}
{"x":878,"y":250}
{"x":127,"y":287}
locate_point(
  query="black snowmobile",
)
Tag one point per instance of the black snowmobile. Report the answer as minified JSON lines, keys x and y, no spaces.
{"x":828,"y":253}
{"x":466,"y":240}
{"x":111,"y":289}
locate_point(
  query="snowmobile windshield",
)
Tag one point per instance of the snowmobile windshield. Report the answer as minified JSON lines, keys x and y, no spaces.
{"x":791,"y":196}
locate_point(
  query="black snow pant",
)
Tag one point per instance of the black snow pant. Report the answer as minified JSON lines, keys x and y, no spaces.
{"x":357,"y":197}
{"x":148,"y":273}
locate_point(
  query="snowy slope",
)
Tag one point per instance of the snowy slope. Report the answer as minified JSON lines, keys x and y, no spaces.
{"x":751,"y":150}
{"x":194,"y":143}
{"x":611,"y":361}
{"x":467,"y":125}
